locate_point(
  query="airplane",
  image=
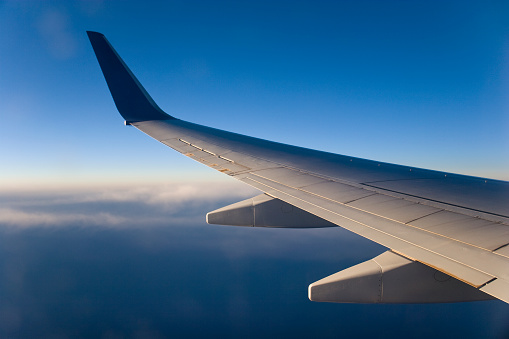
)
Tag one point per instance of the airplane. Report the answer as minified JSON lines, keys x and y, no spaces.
{"x":447,"y":234}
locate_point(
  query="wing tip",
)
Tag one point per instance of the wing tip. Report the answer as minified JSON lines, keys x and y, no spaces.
{"x":132,"y":100}
{"x":94,"y":33}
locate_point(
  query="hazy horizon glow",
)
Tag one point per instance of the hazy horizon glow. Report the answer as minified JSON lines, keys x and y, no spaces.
{"x":98,"y":205}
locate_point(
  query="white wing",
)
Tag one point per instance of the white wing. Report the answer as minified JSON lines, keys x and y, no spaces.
{"x":432,"y":222}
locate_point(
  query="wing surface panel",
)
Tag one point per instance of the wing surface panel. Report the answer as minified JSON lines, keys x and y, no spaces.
{"x":455,"y":223}
{"x":477,"y":258}
{"x":503,"y":250}
{"x":427,"y":231}
{"x":498,"y":288}
{"x":480,"y":268}
{"x":365,"y":174}
{"x":413,"y":244}
{"x":490,"y":195}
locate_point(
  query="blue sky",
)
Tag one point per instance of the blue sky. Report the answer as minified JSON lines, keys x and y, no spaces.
{"x":417,"y":83}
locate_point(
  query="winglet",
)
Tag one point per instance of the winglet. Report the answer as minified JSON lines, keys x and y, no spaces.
{"x":132,"y":100}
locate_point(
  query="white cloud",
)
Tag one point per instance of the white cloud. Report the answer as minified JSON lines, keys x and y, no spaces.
{"x":126,"y":206}
{"x":14,"y":217}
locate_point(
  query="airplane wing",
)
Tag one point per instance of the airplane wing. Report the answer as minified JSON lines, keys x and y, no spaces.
{"x":447,"y":234}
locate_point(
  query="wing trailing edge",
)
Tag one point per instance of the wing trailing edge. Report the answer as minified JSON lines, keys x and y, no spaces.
{"x":132,"y":100}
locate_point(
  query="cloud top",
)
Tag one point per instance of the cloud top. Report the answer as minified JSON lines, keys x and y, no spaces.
{"x":120,"y":206}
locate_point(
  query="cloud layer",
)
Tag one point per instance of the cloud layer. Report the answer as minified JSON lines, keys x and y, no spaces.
{"x":140,"y":262}
{"x":120,"y":206}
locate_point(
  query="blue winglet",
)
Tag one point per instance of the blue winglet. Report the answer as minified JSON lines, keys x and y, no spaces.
{"x":132,"y":100}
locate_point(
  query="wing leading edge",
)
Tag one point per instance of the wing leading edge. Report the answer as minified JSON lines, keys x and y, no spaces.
{"x":453,"y":224}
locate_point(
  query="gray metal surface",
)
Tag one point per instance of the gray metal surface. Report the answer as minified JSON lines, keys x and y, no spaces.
{"x":468,"y":263}
{"x":457,"y":224}
{"x":265,"y":211}
{"x":503,"y":250}
{"x":390,"y":278}
{"x":498,"y":288}
{"x":439,"y":189}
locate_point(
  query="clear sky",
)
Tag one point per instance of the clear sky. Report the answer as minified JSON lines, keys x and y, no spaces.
{"x":421,"y":83}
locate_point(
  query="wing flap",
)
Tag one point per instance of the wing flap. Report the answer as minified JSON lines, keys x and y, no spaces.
{"x":498,"y":288}
{"x":475,"y":231}
{"x":490,"y":195}
{"x":435,"y":251}
{"x":338,"y":192}
{"x":291,"y":177}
